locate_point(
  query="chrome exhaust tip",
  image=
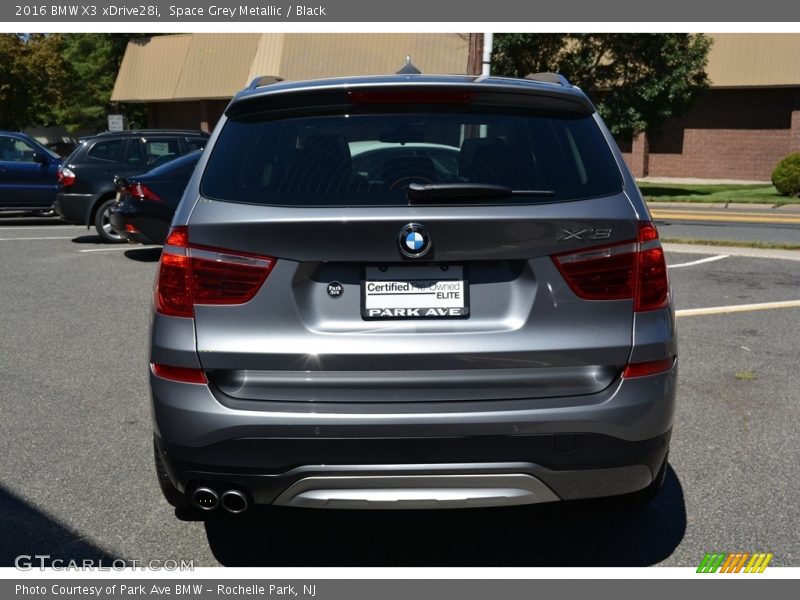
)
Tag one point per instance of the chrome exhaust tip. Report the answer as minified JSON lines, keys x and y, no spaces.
{"x":205,"y":498}
{"x":234,"y":501}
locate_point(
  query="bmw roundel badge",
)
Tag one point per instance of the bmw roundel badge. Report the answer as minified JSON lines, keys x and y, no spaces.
{"x":414,"y":240}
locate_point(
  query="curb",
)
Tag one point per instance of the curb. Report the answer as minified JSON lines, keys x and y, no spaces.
{"x":722,"y":206}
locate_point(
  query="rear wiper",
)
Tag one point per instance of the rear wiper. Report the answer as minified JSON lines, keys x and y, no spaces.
{"x":456,"y":192}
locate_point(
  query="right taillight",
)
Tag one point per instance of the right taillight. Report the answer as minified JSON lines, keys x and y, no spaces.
{"x":652,"y":283}
{"x":633,"y":270}
{"x":192,"y":274}
{"x":65,"y":176}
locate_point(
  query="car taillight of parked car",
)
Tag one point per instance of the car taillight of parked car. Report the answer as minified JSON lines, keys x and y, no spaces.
{"x":191,"y":274}
{"x":139,"y":190}
{"x":65,"y":176}
{"x":632,"y":270}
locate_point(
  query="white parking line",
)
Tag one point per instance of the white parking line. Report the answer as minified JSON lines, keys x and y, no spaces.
{"x":67,"y":237}
{"x":699,"y":262}
{"x":733,"y":251}
{"x":40,"y":227}
{"x":127,"y":247}
{"x":719,"y":310}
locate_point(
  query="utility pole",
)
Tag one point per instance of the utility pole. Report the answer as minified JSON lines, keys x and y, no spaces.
{"x":486,"y":68}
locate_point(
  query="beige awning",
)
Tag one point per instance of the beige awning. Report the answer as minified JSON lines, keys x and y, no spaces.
{"x":217,"y":65}
{"x":754,"y":60}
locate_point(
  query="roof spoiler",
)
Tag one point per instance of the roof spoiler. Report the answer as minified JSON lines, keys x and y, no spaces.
{"x":556,"y":78}
{"x":263,"y":80}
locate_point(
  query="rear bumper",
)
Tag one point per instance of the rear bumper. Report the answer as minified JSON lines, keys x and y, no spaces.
{"x":151,"y":220}
{"x":569,"y":448}
{"x":73,"y":208}
{"x":120,"y":220}
{"x":558,"y":467}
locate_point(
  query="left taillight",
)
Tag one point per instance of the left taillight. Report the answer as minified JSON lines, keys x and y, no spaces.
{"x":65,"y":176}
{"x":192,"y":274}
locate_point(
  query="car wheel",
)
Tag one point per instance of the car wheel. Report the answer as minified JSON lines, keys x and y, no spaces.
{"x":171,"y":494}
{"x":102,"y":223}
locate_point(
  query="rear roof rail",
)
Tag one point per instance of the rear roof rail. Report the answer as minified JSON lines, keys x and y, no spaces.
{"x":556,"y":78}
{"x":135,"y":132}
{"x":263,"y":80}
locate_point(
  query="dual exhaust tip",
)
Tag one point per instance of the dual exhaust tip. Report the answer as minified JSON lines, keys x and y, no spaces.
{"x":232,"y":501}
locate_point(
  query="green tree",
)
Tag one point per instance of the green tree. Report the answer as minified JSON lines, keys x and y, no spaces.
{"x":637,"y":80}
{"x":62,"y":79}
{"x":46,"y":77}
{"x":91,"y":62}
{"x":14,"y":89}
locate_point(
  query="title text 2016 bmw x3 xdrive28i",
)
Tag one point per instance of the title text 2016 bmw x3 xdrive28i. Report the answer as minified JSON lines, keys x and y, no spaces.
{"x":411,"y":292}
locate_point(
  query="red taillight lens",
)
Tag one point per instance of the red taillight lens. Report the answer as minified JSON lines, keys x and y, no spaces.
{"x":633,"y":270}
{"x":173,"y":294}
{"x":140,"y":190}
{"x":190,"y":275}
{"x":652,"y":282}
{"x":178,"y":237}
{"x":222,"y":277}
{"x":65,"y":176}
{"x":182,"y":374}
{"x":648,"y":368}
{"x":600,"y":273}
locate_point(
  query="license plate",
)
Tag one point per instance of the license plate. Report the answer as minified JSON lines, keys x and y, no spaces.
{"x":414,"y":292}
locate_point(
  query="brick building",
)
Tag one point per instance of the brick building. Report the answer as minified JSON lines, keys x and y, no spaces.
{"x":743,"y":125}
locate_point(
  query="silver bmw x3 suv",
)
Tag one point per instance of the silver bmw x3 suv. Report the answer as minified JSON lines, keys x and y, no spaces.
{"x":411,"y":292}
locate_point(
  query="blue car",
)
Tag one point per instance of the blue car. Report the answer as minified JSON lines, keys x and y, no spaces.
{"x":28,"y":174}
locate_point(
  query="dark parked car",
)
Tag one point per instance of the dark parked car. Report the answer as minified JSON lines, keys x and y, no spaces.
{"x":28,"y":174}
{"x":87,"y":176}
{"x":411,"y":292}
{"x":146,"y":203}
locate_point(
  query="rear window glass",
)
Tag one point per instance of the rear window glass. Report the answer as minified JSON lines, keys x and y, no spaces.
{"x":194,"y":143}
{"x":107,"y":150}
{"x":370,"y":159}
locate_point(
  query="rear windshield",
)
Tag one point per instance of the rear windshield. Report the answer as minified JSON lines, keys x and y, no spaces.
{"x":370,"y":159}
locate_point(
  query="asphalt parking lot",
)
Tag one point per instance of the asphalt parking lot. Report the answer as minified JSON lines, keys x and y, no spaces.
{"x":76,"y":478}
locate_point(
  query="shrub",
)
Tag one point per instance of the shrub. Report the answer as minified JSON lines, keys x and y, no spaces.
{"x":786,"y":176}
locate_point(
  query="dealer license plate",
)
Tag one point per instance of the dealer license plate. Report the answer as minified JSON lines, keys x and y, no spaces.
{"x":414,"y":292}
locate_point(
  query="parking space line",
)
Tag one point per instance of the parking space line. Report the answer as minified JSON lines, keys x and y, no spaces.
{"x":708,"y":259}
{"x":67,"y":237}
{"x":719,"y":310}
{"x":733,"y":251}
{"x":40,"y":227}
{"x":127,"y":247}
